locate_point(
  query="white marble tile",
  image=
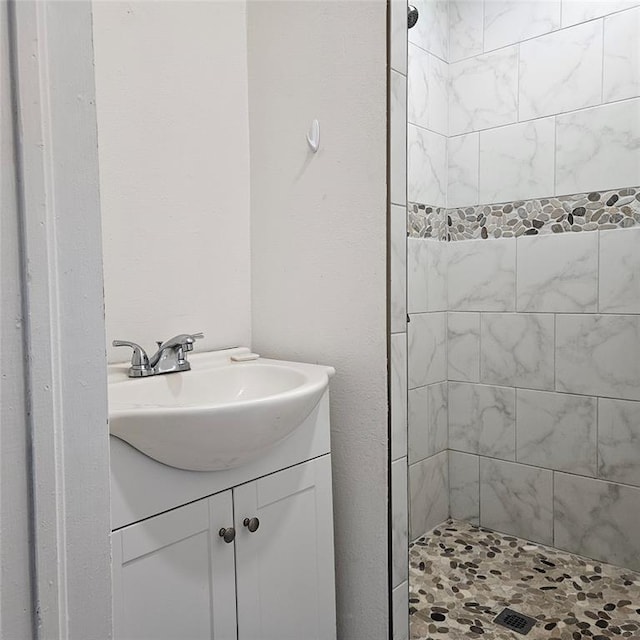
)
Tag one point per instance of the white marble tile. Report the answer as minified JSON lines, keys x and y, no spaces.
{"x":427,"y":349}
{"x":516,"y":499}
{"x":574,"y":11}
{"x":462,"y":178}
{"x":417,"y":275}
{"x":418,"y":424}
{"x":398,"y":31}
{"x":463,"y":347}
{"x":399,"y":522}
{"x":428,"y":422}
{"x":398,"y":268}
{"x":437,"y":417}
{"x":398,"y":136}
{"x":482,"y":275}
{"x":557,"y":431}
{"x":464,"y":486}
{"x":619,"y":284}
{"x":598,"y":148}
{"x":437,"y":275}
{"x":418,"y":86}
{"x":598,"y":355}
{"x":597,"y":519}
{"x":483,"y":91}
{"x":398,"y":385}
{"x":482,"y":419}
{"x":621,"y":74}
{"x":401,"y":612}
{"x":561,"y":71}
{"x":438,"y":112}
{"x":558,"y":273}
{"x":427,"y":166}
{"x":428,"y":91}
{"x":429,"y":494}
{"x":517,"y":161}
{"x":510,"y":21}
{"x":466,"y":23}
{"x":517,"y":349}
{"x":619,"y":440}
{"x":431,"y":32}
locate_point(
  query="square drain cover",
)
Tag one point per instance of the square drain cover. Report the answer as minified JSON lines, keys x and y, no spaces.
{"x":515,"y":621}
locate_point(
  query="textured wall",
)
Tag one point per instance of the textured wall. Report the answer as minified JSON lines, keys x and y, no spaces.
{"x":318,"y":282}
{"x":173,"y":129}
{"x":15,"y":596}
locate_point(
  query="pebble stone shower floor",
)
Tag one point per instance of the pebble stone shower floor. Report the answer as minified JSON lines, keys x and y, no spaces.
{"x":461,"y":577}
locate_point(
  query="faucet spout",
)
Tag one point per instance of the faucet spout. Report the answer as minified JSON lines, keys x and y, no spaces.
{"x":171,"y":357}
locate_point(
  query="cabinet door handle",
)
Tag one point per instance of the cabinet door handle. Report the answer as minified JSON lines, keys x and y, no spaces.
{"x":252,"y":524}
{"x":228,"y":534}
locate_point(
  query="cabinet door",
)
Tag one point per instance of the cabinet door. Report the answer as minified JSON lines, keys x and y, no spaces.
{"x":174,"y":576}
{"x":284,"y":569}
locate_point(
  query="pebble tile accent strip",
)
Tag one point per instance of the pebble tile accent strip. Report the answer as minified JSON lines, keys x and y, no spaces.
{"x":424,"y":221}
{"x":598,"y":210}
{"x":461,"y":577}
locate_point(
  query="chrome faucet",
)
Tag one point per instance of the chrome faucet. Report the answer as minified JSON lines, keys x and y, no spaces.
{"x":169,"y":358}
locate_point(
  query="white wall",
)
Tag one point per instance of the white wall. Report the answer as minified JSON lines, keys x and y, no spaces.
{"x":15,"y":597}
{"x":171,"y":81}
{"x":318,"y":254}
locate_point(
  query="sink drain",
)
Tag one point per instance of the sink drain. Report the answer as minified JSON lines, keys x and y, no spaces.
{"x":515,"y":621}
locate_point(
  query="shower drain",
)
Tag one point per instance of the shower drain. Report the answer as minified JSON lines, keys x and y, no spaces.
{"x":515,"y":621}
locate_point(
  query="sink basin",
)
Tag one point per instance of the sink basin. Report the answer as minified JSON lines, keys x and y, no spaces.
{"x":219,"y":415}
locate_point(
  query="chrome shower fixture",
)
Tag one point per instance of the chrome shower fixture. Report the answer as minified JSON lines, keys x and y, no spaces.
{"x":412,"y":16}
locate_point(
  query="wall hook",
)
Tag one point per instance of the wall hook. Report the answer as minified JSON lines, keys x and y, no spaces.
{"x":313,"y":137}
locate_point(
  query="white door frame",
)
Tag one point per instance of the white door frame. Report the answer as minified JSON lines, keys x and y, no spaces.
{"x":52,"y":67}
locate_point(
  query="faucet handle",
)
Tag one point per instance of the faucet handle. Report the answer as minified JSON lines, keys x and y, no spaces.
{"x":139,"y":358}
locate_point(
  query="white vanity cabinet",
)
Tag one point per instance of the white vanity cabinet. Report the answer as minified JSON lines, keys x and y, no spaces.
{"x":284,"y":569}
{"x":175,"y":577}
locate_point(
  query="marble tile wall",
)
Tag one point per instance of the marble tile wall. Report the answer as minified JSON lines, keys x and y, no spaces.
{"x":544,"y":392}
{"x":525,"y":339}
{"x":540,"y":385}
{"x":428,"y":124}
{"x":543,"y":99}
{"x":428,"y":429}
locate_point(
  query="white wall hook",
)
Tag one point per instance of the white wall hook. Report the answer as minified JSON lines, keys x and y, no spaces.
{"x":313,"y":137}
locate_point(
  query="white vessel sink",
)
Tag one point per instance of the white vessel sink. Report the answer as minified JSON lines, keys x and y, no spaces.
{"x":219,"y":415}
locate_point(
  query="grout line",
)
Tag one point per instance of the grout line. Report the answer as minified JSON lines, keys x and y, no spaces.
{"x":555,"y":351}
{"x":561,"y":393}
{"x":598,"y":272}
{"x":555,"y":154}
{"x":419,"y":126}
{"x":483,"y":456}
{"x":515,"y":423}
{"x":553,"y":508}
{"x":518,"y":85}
{"x":548,"y":115}
{"x":431,"y":53}
{"x":598,"y":437}
{"x":484,"y":18}
{"x":602,"y":69}
{"x":538,"y":36}
{"x":561,"y":6}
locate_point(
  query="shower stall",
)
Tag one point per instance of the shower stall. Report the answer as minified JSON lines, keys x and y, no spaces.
{"x":515,"y":333}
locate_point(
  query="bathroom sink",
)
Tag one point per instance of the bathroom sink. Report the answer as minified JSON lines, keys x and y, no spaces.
{"x":219,"y":415}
